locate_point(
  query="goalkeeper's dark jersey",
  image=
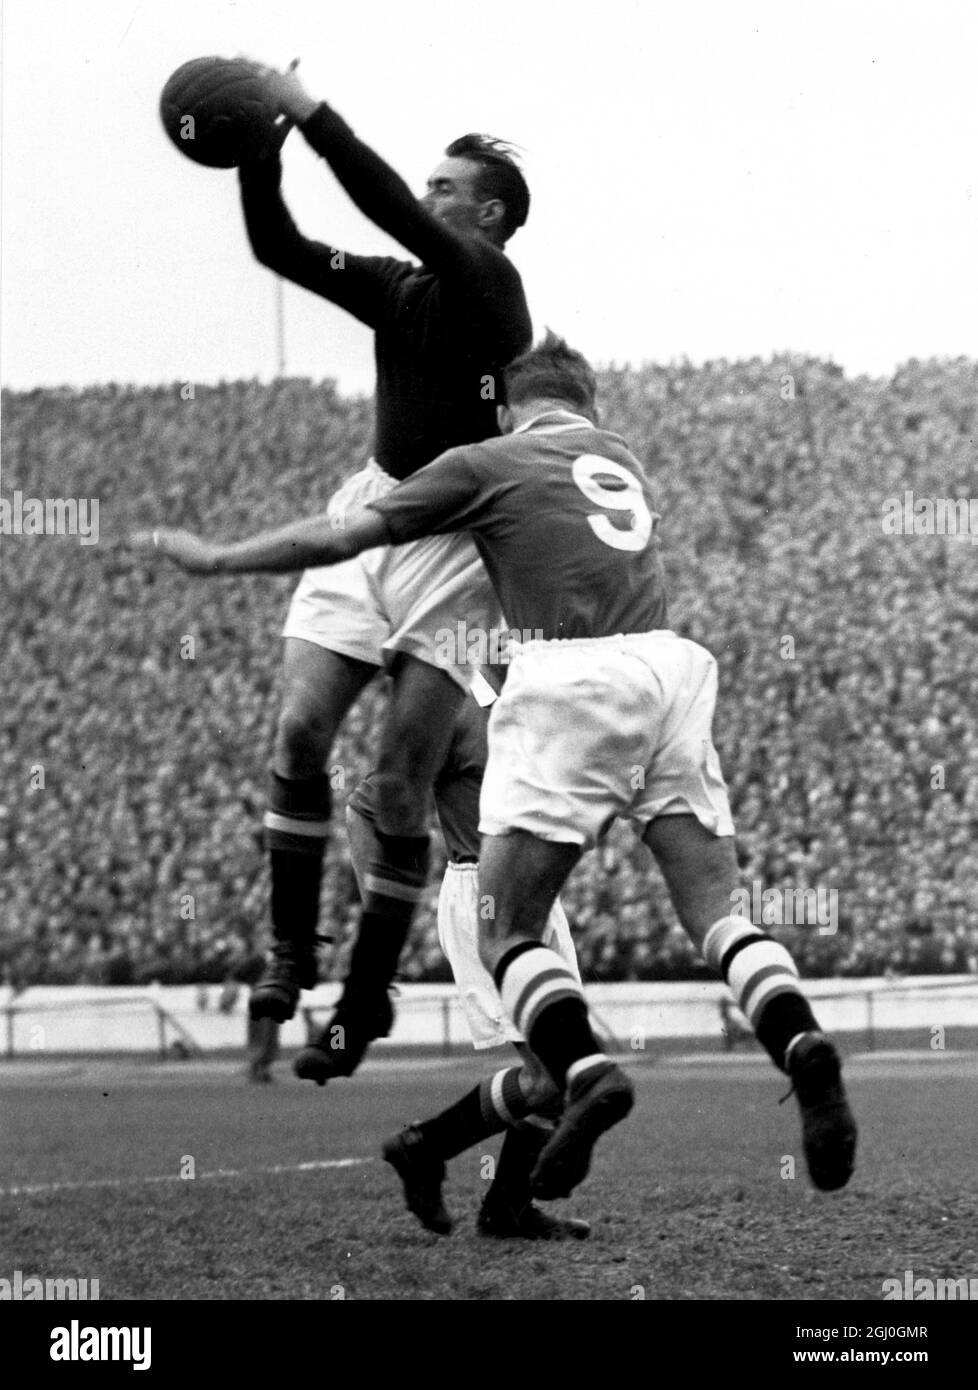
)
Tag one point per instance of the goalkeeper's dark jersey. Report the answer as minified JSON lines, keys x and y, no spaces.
{"x":444,"y":330}
{"x":562,"y":516}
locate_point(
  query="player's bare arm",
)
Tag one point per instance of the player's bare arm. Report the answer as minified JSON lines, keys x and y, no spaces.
{"x":326,"y":539}
{"x":301,"y":545}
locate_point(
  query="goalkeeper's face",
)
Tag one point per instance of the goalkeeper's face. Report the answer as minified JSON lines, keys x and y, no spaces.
{"x":452,"y":198}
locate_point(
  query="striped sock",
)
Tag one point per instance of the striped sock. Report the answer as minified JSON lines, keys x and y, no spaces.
{"x":764,"y":981}
{"x":296,"y":828}
{"x":546,"y":1002}
{"x":492,"y":1106}
{"x":395,"y":877}
{"x":501,"y":1098}
{"x":394,"y":881}
{"x":470,"y":1119}
{"x":460,"y":1126}
{"x":584,"y":1064}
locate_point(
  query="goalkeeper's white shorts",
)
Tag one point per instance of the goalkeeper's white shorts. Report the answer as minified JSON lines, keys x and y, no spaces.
{"x":399,"y":598}
{"x":458,"y":932}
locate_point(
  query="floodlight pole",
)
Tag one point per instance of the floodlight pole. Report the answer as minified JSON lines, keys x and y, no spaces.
{"x":280,"y":324}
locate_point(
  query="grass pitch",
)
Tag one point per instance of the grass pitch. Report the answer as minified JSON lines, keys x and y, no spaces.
{"x":690,"y":1198}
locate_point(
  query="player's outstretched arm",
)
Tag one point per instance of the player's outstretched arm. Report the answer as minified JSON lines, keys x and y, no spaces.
{"x":355,"y":283}
{"x":378,"y":191}
{"x":317,"y":540}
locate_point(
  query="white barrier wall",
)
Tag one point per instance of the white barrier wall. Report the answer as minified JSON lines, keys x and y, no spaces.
{"x":86,"y":1019}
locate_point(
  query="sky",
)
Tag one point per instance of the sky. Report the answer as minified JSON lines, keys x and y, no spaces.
{"x":709,"y":179}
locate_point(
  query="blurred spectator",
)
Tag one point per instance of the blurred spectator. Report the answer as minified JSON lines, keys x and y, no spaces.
{"x":138,"y":705}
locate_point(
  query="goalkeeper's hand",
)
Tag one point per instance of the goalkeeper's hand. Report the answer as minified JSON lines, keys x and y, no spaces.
{"x":288,"y":92}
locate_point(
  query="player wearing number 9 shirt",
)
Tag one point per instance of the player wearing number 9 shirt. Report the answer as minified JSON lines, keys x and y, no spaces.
{"x":608,"y":715}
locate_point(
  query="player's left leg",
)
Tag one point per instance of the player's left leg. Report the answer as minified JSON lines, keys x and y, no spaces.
{"x":519,"y":1100}
{"x":520,"y":876}
{"x":685,"y":811}
{"x":415,"y":739}
{"x":700,"y":870}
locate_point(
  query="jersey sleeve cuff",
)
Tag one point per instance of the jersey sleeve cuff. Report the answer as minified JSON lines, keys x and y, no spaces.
{"x":323,"y":127}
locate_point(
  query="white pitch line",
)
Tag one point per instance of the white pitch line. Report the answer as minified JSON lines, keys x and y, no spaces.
{"x":314,"y":1166}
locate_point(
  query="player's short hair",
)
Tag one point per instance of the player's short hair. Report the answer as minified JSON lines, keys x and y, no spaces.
{"x":499,"y":175}
{"x":552,"y":371}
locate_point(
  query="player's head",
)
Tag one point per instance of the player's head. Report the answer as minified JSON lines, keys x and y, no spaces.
{"x":550,"y":374}
{"x":479,"y":188}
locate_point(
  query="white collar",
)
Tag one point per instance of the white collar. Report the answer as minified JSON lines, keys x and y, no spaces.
{"x":567,"y":420}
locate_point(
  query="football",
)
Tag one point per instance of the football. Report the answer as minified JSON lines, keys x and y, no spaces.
{"x":216,"y":111}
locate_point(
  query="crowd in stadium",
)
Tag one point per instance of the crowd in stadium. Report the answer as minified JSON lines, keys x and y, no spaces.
{"x":139,"y":703}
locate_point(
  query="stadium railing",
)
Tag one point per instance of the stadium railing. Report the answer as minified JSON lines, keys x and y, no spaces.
{"x":100,"y":1018}
{"x":930,"y":1012}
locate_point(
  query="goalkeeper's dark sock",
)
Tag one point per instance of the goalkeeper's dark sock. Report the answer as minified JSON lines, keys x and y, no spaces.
{"x":393,"y":882}
{"x":296,"y":831}
{"x":764,"y":981}
{"x":546,"y":1002}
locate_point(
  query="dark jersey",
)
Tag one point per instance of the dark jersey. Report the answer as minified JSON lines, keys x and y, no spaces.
{"x":443,"y":331}
{"x":562,"y":516}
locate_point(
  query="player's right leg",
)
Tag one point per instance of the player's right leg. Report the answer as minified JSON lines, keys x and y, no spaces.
{"x":516,"y":1100}
{"x":334,"y":635}
{"x":507,"y":1211}
{"x":414,"y":741}
{"x":319,"y":686}
{"x":425,"y":590}
{"x":520,"y":875}
{"x":334,"y":644}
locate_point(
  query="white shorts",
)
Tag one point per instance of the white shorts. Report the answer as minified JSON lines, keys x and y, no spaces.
{"x":458,"y":932}
{"x":591,"y":729}
{"x":402,"y":598}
